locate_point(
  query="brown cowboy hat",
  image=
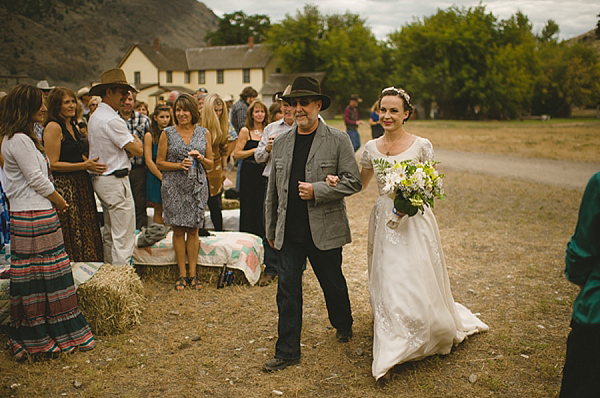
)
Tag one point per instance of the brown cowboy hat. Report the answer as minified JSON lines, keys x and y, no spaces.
{"x":110,"y":79}
{"x":305,"y":86}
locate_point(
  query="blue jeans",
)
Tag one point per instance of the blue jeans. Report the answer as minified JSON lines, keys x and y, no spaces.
{"x":354,"y":137}
{"x":327,"y":265}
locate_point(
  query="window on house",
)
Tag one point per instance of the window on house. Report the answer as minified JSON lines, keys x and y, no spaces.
{"x":201,"y":77}
{"x":220,"y":76}
{"x":187,"y":77}
{"x":137,"y":77}
{"x":277,"y":70}
{"x":246,"y":75}
{"x":169,"y":76}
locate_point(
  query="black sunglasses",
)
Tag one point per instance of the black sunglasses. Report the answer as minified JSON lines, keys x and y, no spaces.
{"x":301,"y":101}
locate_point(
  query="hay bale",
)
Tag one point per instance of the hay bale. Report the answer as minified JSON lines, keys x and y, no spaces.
{"x":112,"y":300}
{"x":228,"y":204}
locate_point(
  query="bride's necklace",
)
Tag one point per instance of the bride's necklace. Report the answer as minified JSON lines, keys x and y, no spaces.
{"x":392,"y":146}
{"x":257,"y":132}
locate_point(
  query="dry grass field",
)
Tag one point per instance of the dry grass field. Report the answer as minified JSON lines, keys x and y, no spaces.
{"x":564,"y":139}
{"x":504,"y":244}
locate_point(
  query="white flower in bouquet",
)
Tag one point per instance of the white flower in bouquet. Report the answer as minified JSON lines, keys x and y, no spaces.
{"x":411,"y":184}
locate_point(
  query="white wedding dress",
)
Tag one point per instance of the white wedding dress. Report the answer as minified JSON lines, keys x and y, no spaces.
{"x":414,"y":313}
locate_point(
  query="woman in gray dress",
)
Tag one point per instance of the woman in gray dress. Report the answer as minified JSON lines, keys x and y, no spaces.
{"x":183,"y":155}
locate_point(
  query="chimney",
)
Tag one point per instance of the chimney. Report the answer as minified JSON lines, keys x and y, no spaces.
{"x":250,"y":42}
{"x":156,"y":44}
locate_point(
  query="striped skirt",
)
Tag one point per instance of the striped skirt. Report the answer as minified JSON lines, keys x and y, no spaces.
{"x":44,"y":317}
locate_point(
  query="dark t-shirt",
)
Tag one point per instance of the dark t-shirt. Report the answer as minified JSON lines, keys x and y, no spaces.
{"x":297,"y":228}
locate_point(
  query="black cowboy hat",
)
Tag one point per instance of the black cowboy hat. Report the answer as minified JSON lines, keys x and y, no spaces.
{"x":305,"y":86}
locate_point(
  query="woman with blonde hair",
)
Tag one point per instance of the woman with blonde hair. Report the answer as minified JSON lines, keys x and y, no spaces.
{"x":184,"y":151}
{"x":252,"y":182}
{"x":44,"y":317}
{"x":216,"y":120}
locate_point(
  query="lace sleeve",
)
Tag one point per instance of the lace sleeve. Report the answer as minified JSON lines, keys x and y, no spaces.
{"x":365,"y":159}
{"x":427,"y":151}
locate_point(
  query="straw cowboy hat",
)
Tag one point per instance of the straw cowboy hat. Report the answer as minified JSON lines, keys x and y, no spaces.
{"x":44,"y":86}
{"x":305,"y":86}
{"x":110,"y":79}
{"x":83,"y":91}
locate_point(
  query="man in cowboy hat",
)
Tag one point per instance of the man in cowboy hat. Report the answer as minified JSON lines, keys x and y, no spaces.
{"x":83,"y":94}
{"x":45,"y":87}
{"x":305,"y":217}
{"x":352,"y":122}
{"x":111,"y":142}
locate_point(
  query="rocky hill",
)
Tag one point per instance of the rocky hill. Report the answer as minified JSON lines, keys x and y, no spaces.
{"x":588,"y":38}
{"x":70,"y":42}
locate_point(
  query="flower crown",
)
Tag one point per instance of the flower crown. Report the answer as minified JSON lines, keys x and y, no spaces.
{"x":399,"y":91}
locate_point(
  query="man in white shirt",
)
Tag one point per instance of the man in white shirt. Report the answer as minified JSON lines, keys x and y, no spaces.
{"x":111,"y":142}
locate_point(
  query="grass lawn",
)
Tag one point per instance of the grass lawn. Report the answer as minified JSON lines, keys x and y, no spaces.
{"x":504,"y":243}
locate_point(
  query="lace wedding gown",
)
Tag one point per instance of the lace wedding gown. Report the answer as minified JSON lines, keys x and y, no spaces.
{"x":414,"y":313}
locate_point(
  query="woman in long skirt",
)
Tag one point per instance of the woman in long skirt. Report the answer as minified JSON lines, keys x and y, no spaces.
{"x":44,"y":317}
{"x":65,"y":147}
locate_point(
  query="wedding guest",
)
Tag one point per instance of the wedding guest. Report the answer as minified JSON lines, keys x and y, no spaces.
{"x":46,"y":88}
{"x":44,"y":317}
{"x":93,"y":105}
{"x":84,"y":97}
{"x":582,"y":363}
{"x":352,"y":121}
{"x":141,"y":107}
{"x":401,"y":299}
{"x":239,"y":110}
{"x":184,"y":151}
{"x":138,"y":125}
{"x":275,"y":112}
{"x":111,"y":142}
{"x":263,"y":155}
{"x":65,"y":147}
{"x":215,"y":119}
{"x":252,"y":183}
{"x":201,"y":94}
{"x":376,"y":127}
{"x":161,"y":119}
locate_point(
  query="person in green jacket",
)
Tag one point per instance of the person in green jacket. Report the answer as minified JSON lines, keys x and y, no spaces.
{"x":581,"y":374}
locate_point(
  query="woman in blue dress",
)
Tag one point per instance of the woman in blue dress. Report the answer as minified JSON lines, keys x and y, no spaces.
{"x":161,"y":119}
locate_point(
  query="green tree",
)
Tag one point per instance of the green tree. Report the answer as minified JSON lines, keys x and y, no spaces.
{"x":570,"y":76}
{"x":550,"y":32}
{"x":296,"y":41}
{"x":235,"y":28}
{"x":464,"y":59}
{"x":339,"y":44}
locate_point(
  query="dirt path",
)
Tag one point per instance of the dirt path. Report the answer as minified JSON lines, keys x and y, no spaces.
{"x":546,"y":171}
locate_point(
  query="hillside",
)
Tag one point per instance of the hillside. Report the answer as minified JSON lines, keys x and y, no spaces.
{"x":70,"y":42}
{"x":588,"y":38}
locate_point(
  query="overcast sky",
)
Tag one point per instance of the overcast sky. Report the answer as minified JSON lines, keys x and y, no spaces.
{"x":385,"y":16}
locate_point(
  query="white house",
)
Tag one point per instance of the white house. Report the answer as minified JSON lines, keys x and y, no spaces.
{"x":156,"y":70}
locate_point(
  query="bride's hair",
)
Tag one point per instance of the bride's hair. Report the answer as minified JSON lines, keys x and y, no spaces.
{"x":397,"y":92}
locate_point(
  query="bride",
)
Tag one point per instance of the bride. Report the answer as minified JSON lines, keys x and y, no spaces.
{"x":414,"y":312}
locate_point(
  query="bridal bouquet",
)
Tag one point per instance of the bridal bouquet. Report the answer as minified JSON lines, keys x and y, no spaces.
{"x":411,"y":184}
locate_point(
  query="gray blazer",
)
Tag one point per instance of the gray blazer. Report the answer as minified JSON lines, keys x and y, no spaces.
{"x":331,"y":153}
